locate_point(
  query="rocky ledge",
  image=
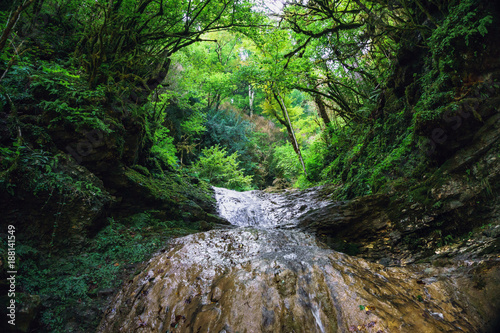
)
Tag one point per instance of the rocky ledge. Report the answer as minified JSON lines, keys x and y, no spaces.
{"x":249,"y":280}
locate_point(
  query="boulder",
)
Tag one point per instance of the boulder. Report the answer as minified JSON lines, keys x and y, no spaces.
{"x":284,"y":281}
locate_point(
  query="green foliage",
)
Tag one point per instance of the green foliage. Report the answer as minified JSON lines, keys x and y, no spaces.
{"x":46,"y":173}
{"x":7,"y":156}
{"x":451,"y":45}
{"x":164,"y":147}
{"x":13,"y":86}
{"x":232,"y":132}
{"x":271,"y":107}
{"x":227,"y":129}
{"x":464,"y":24}
{"x":194,"y":124}
{"x":286,"y":163}
{"x":391,"y":161}
{"x":66,"y":96}
{"x":160,"y":29}
{"x":260,"y":153}
{"x":365,"y":158}
{"x":73,"y":281}
{"x":315,"y":159}
{"x":174,"y":188}
{"x":94,"y":61}
{"x":222,"y":170}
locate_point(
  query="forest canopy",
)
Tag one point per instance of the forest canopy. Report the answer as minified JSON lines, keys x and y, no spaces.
{"x":300,"y":90}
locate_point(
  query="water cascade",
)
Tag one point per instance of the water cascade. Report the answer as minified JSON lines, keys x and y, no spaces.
{"x":266,"y":210}
{"x":267,"y":276}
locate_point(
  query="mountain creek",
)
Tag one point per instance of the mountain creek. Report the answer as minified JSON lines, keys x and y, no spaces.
{"x":271,"y":270}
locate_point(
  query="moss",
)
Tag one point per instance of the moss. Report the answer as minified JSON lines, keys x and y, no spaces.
{"x":420,"y":195}
{"x":205,"y":226}
{"x":143,"y":170}
{"x":174,"y":193}
{"x":163,"y":189}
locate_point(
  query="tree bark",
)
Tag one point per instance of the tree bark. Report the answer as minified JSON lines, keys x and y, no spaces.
{"x":322,"y":110}
{"x":251,"y":97}
{"x":291,"y":132}
{"x":12,"y":23}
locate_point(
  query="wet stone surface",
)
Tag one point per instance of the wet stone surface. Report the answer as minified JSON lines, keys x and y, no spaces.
{"x":265,"y":279}
{"x":257,"y":280}
{"x":267,"y":210}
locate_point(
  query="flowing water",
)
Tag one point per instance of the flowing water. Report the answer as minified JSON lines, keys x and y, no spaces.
{"x":266,"y":210}
{"x":267,"y":277}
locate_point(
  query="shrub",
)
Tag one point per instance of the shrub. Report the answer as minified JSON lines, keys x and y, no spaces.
{"x":222,"y":170}
{"x":287,"y":164}
{"x":164,"y":147}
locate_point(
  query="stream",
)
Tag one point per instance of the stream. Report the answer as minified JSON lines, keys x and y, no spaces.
{"x":266,"y":276}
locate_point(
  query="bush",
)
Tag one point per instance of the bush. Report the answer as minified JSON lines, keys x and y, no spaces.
{"x":229,"y":130}
{"x":164,"y":147}
{"x":287,"y":163}
{"x":222,"y":170}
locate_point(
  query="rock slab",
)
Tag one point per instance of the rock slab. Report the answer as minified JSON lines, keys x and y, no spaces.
{"x":258,"y":280}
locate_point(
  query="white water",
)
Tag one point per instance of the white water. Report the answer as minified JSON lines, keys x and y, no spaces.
{"x":265,"y":210}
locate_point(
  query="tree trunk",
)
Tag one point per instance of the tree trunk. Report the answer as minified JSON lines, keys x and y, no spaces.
{"x":217,"y":103}
{"x":251,"y":97}
{"x":291,"y":132}
{"x":322,"y":110}
{"x":12,"y":23}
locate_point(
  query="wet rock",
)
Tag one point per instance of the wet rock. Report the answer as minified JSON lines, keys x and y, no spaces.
{"x":216,"y":294}
{"x":492,"y":231}
{"x":355,"y":221}
{"x":261,"y":209}
{"x":105,"y":292}
{"x":389,"y":262}
{"x":283,"y":281}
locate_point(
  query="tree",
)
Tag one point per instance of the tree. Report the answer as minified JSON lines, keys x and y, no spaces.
{"x":276,"y":105}
{"x":351,"y":46}
{"x":222,"y":170}
{"x":275,"y":77}
{"x":131,"y":41}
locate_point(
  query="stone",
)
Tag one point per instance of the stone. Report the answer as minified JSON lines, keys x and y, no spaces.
{"x":285,"y":281}
{"x":55,"y":219}
{"x":359,"y":220}
{"x":216,"y":294}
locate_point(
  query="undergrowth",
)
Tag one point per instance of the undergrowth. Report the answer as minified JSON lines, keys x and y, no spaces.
{"x":71,"y":280}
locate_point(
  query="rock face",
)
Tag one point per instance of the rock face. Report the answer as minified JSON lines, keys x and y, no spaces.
{"x":355,"y":220}
{"x":257,"y":280}
{"x":267,"y":276}
{"x":447,"y":207}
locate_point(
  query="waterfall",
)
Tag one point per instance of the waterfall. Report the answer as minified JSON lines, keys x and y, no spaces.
{"x":242,"y":208}
{"x":265,"y":210}
{"x":263,"y":278}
